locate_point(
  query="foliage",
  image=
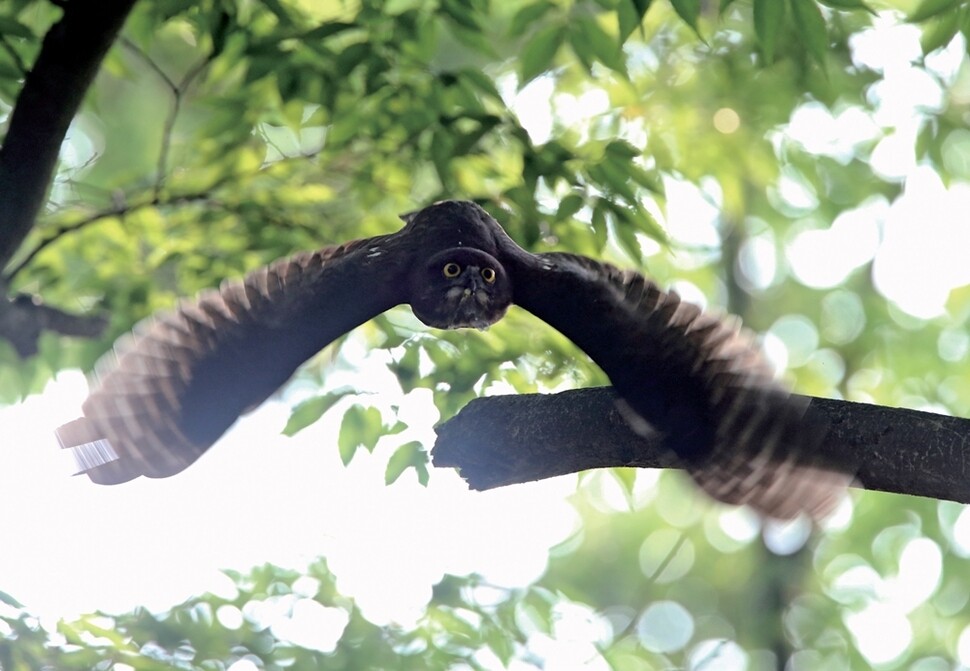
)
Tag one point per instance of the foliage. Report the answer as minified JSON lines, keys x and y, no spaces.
{"x":224,"y":134}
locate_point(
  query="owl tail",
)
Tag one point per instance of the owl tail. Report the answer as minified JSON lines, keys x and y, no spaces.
{"x":766,"y":453}
{"x":92,"y":452}
{"x":738,"y":432}
{"x":781,"y":490}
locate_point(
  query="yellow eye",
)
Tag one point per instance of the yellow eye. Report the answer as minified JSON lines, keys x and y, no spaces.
{"x":451,"y":270}
{"x":488,"y":274}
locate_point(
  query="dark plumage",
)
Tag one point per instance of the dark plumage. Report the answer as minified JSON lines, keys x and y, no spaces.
{"x":184,"y":377}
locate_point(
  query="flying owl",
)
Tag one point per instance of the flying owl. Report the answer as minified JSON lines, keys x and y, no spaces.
{"x":183,"y":377}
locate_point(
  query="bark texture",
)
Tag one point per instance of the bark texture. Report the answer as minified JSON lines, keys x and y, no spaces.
{"x":502,"y":440}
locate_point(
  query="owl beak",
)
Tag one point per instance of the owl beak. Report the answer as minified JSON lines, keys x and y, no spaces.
{"x":469,"y":301}
{"x":475,"y":285}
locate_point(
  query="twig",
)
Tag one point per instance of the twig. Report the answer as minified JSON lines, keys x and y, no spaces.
{"x":122,"y":209}
{"x":147,"y":60}
{"x":169,"y":127}
{"x":177,"y":89}
{"x":119,"y":211}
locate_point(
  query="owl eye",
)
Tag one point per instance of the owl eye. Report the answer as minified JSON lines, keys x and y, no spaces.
{"x":488,"y":274}
{"x":451,"y":270}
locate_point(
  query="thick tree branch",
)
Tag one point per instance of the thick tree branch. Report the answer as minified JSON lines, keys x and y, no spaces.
{"x":502,"y":440}
{"x":53,"y":90}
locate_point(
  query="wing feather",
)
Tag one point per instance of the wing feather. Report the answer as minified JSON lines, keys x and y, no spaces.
{"x":173,"y":385}
{"x":699,"y":378}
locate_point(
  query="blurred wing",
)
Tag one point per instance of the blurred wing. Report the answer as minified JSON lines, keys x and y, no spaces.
{"x":697,"y":378}
{"x":180,"y":379}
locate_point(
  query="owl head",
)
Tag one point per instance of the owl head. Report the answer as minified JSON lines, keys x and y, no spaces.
{"x":460,"y":287}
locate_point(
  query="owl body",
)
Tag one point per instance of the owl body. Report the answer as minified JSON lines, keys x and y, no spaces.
{"x":184,"y":377}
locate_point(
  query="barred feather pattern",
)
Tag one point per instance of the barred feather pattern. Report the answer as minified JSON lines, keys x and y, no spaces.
{"x":762,"y":448}
{"x":134,"y":421}
{"x":181,"y":379}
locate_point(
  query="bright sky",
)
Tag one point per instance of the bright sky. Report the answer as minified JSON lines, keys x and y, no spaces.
{"x":70,"y":546}
{"x":256,"y":497}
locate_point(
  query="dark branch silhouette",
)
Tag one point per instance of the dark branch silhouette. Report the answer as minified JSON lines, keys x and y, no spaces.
{"x":503,"y":440}
{"x":69,"y":58}
{"x":23,"y":318}
{"x":53,"y":89}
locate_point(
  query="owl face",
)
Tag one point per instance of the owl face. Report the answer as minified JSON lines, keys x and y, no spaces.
{"x":459,"y":288}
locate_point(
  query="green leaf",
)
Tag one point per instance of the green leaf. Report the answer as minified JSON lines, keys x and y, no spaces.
{"x":930,"y":8}
{"x":538,"y":53}
{"x":612,"y":176}
{"x":281,"y":12}
{"x":9,"y":600}
{"x":689,"y":11}
{"x":350,"y":57}
{"x":499,"y":641}
{"x":847,"y":5}
{"x":325,"y":30}
{"x":621,"y":149}
{"x":12,"y":28}
{"x":600,"y":229}
{"x":811,"y":28}
{"x":769,"y":17}
{"x":591,"y":42}
{"x":629,"y":16}
{"x":627,"y":478}
{"x":527,"y":16}
{"x":569,"y":206}
{"x":462,"y":14}
{"x":310,"y":410}
{"x":397,"y":427}
{"x":360,"y":427}
{"x":625,"y":228}
{"x":724,"y":5}
{"x":465,"y":142}
{"x":646,"y":179}
{"x":411,"y":454}
{"x":626,"y":19}
{"x":649,"y":225}
{"x":423,"y":475}
{"x":10,"y":71}
{"x":442,"y":152}
{"x":939,"y":31}
{"x":480,"y":82}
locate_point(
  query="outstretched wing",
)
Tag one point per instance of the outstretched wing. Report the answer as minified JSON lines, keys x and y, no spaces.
{"x":697,"y":378}
{"x":173,"y":387}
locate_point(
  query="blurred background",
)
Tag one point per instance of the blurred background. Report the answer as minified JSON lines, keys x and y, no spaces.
{"x":803,"y":164}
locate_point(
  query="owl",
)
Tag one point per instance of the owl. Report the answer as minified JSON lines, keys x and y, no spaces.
{"x":183,"y":377}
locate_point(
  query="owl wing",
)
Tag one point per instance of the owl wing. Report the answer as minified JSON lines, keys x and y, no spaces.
{"x":179,"y":380}
{"x":697,"y":378}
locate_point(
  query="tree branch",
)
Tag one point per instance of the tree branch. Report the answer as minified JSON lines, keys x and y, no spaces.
{"x":24,"y":318}
{"x":177,"y":90}
{"x":503,"y":440}
{"x":69,"y":58}
{"x":120,"y":210}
